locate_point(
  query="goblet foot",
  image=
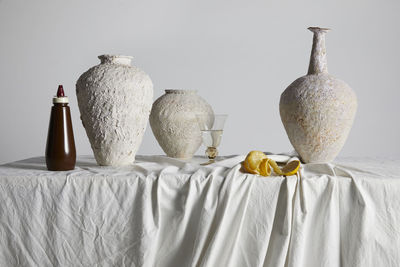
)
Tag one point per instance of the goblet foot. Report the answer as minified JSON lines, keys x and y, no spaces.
{"x":211,"y":153}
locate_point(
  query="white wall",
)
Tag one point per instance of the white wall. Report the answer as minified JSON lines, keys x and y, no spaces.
{"x":240,"y":55}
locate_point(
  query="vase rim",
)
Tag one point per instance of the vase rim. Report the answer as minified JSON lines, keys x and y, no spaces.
{"x":115,"y":59}
{"x":114,"y":56}
{"x":319,"y":29}
{"x":180,"y":91}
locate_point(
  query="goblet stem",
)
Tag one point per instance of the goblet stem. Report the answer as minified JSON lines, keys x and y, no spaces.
{"x":211,"y":153}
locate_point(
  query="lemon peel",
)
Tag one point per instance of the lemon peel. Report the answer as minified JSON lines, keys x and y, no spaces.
{"x":291,"y":168}
{"x":257,"y":162}
{"x":276,"y":168}
{"x":265,"y":167}
{"x":253,"y":160}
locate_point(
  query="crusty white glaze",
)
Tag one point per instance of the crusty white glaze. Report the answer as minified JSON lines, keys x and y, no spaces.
{"x":318,"y":110}
{"x":174,"y":123}
{"x":114,"y":100}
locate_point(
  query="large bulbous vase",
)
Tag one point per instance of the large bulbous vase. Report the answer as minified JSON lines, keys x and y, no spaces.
{"x":114,"y":100}
{"x":174,"y":122}
{"x":318,"y":110}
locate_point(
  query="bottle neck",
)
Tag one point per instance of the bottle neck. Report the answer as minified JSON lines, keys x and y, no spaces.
{"x":60,"y":100}
{"x":318,"y":61}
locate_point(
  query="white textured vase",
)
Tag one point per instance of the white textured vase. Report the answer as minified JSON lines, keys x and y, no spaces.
{"x":318,"y":110}
{"x":174,"y":123}
{"x":114,"y":100}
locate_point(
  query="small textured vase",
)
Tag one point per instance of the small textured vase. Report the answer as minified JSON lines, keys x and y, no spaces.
{"x":318,"y":110}
{"x":174,"y":122}
{"x":114,"y":100}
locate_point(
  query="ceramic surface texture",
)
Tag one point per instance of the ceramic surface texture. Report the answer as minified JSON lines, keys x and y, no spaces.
{"x":114,"y":100}
{"x":318,"y":110}
{"x":174,"y":123}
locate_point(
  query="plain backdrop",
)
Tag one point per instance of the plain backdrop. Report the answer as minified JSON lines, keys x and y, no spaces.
{"x":239,"y":55}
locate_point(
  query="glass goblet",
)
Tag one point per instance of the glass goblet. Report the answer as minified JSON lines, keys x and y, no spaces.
{"x":211,"y":127}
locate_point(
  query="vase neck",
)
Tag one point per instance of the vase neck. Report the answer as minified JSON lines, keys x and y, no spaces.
{"x":318,"y":62}
{"x":115,"y":59}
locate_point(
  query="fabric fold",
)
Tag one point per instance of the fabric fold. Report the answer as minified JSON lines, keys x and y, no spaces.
{"x":169,"y":212}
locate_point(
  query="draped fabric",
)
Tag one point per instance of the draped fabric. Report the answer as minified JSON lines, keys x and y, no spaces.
{"x":166,"y":212}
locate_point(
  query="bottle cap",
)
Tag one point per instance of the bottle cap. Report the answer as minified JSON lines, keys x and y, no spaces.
{"x":60,"y":98}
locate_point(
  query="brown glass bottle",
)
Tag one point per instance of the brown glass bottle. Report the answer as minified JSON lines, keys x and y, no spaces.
{"x":60,"y":147}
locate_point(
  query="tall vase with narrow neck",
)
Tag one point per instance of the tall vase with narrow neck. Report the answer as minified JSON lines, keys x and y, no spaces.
{"x":114,"y":100}
{"x":318,"y":110}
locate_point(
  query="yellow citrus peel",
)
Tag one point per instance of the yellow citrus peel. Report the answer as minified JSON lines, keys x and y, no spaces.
{"x":265,"y":167}
{"x":257,"y":162}
{"x":253,"y":161}
{"x":291,"y":168}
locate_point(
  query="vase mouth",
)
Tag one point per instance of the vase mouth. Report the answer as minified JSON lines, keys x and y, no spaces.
{"x":318,"y":29}
{"x":180,"y":91}
{"x":115,"y":59}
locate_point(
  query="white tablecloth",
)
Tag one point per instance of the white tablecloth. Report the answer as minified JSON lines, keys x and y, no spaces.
{"x":166,"y":212}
